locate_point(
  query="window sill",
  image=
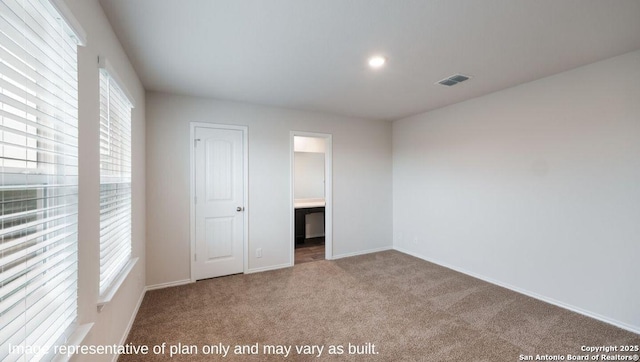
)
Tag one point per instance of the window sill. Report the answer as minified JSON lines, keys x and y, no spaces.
{"x":105,"y":298}
{"x":76,"y":339}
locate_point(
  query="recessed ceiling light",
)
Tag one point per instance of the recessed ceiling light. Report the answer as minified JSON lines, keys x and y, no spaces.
{"x":377,"y":61}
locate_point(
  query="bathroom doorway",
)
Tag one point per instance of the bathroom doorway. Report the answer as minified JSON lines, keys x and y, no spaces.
{"x":311,"y":197}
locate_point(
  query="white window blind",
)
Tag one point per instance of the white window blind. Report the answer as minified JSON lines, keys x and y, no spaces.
{"x":115,"y":180}
{"x":39,"y":183}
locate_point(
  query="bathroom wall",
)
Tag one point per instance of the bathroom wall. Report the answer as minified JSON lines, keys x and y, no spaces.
{"x":309,"y":175}
{"x":309,"y":163}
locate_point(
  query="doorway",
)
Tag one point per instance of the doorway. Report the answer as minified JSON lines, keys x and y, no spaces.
{"x":311,"y":197}
{"x":218,"y":202}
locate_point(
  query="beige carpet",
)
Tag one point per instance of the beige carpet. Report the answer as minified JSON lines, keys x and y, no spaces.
{"x":411,"y":310}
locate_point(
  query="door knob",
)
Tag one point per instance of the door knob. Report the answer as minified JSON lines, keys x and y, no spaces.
{"x":239,"y":208}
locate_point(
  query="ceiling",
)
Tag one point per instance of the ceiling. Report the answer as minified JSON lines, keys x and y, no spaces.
{"x":312,"y":54}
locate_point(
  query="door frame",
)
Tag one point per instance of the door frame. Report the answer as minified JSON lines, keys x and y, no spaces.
{"x":192,"y":187}
{"x":328,"y":193}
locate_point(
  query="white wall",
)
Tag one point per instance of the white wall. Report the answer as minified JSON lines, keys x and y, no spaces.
{"x":309,"y":175}
{"x":112,"y":322}
{"x":361,"y":180}
{"x":536,"y":187}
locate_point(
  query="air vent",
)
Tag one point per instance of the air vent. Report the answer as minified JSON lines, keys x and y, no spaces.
{"x":453,"y":80}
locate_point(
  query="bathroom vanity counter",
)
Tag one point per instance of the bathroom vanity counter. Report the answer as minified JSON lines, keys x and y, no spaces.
{"x":302,"y":208}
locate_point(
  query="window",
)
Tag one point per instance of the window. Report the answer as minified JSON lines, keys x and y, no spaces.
{"x":39,"y":183}
{"x":115,"y":181}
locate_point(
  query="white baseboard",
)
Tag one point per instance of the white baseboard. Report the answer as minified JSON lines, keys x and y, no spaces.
{"x":168,"y":284}
{"x":363,"y":252}
{"x":619,"y":324}
{"x":267,"y":268}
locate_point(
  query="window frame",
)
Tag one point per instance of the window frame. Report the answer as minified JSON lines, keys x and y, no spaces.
{"x":108,"y":291}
